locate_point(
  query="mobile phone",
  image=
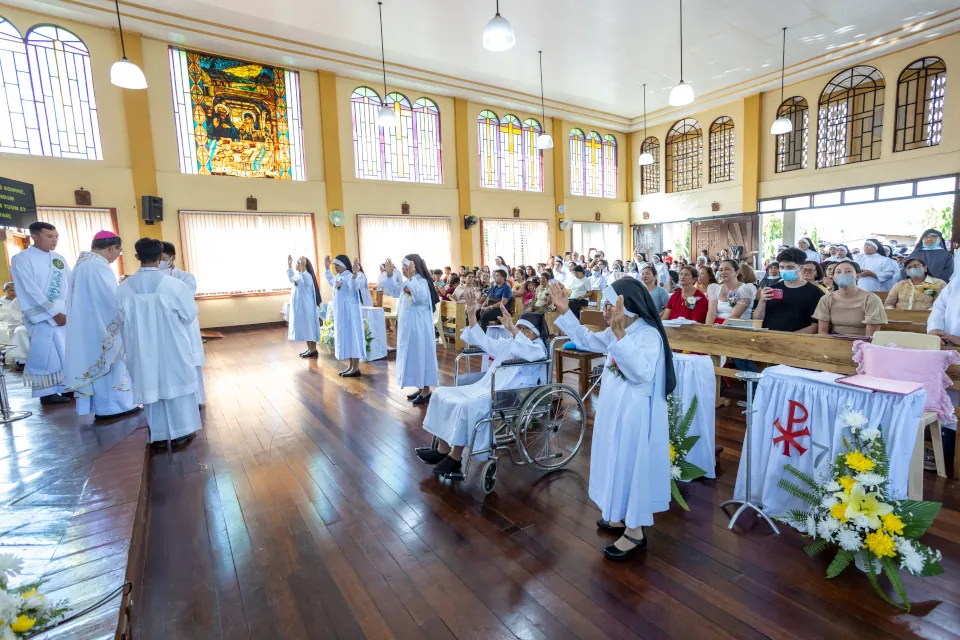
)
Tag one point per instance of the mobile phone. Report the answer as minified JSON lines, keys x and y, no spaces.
{"x":777,"y":294}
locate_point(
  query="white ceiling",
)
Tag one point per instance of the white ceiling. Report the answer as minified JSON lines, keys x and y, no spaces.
{"x":597,"y":54}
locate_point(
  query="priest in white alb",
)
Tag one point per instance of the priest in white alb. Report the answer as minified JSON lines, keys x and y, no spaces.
{"x":156,"y":312}
{"x":168,"y":266}
{"x":42,"y":280}
{"x":95,"y":369}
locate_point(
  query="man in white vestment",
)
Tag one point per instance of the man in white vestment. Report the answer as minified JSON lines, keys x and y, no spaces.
{"x":156,"y":312}
{"x":42,"y":280}
{"x":12,"y":330}
{"x":167,"y":265}
{"x":95,"y":369}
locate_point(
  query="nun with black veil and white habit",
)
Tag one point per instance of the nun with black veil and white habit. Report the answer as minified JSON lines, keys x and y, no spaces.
{"x":932,"y":249}
{"x":416,"y":342}
{"x":349,"y":342}
{"x":630,"y":453}
{"x":806,"y":245}
{"x":877,"y":271}
{"x":455,"y":411}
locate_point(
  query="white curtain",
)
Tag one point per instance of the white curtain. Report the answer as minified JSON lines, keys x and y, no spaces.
{"x":516,"y":241}
{"x":604,"y":236}
{"x":237,"y":253}
{"x":77,"y":228}
{"x":393,"y":237}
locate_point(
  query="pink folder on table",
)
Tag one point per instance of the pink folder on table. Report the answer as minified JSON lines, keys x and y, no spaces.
{"x":883,"y":385}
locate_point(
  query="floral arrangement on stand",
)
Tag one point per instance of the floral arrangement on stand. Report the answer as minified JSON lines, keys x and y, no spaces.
{"x":680,"y":445}
{"x":850,"y":508}
{"x":328,"y":332}
{"x":23,"y":611}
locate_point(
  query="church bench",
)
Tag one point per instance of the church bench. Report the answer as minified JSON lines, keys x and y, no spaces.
{"x":454,"y":316}
{"x":584,"y":359}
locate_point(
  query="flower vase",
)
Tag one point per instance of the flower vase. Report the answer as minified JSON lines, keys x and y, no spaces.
{"x":863,"y":557}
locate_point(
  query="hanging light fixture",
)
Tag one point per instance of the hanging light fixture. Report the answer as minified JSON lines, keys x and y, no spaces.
{"x":646,"y":158}
{"x":682,"y":94}
{"x":386,"y":118}
{"x":498,"y":34}
{"x":124,"y":73}
{"x":544,"y":141}
{"x":782,"y":124}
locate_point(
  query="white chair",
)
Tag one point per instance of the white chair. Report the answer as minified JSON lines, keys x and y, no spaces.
{"x":923,"y":342}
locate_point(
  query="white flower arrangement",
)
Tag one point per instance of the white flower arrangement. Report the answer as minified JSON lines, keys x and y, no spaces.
{"x":23,"y":610}
{"x":328,"y":332}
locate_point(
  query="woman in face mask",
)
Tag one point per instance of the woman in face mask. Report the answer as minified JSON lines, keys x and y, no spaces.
{"x":849,"y":310}
{"x":933,"y":251}
{"x":918,"y":291}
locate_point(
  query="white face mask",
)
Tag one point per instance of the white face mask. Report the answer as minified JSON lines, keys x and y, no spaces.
{"x":164,"y":265}
{"x":522,"y":339}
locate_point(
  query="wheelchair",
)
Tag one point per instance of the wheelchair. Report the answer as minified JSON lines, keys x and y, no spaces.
{"x":541,"y":426}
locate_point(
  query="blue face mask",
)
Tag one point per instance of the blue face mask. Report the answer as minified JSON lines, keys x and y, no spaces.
{"x":845,"y":280}
{"x":788,"y":275}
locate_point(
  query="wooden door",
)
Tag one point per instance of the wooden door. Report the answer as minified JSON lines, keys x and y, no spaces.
{"x":724,"y":233}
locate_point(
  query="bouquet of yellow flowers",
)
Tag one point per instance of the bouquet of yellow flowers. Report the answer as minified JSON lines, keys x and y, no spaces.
{"x":23,"y":611}
{"x":850,"y":508}
{"x":680,"y":445}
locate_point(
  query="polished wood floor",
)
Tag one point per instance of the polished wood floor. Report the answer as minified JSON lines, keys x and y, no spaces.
{"x":301,"y":512}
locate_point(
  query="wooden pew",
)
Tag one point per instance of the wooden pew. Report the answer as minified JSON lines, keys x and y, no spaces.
{"x":454,"y":315}
{"x":584,"y":359}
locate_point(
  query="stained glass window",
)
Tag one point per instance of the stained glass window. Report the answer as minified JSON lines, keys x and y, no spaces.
{"x":408,"y":152}
{"x":236,"y":118}
{"x":609,"y":166}
{"x":650,"y":173}
{"x":578,"y":183}
{"x":509,"y":158}
{"x":920,"y":99}
{"x":532,"y":157}
{"x":684,"y":147}
{"x":721,"y":150}
{"x":511,"y":153}
{"x":792,"y":146}
{"x":593,"y":164}
{"x":19,"y":131}
{"x":850,"y":118}
{"x":488,"y":142}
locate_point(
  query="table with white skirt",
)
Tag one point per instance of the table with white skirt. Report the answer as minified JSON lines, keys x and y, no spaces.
{"x":695,"y":377}
{"x":377,"y":324}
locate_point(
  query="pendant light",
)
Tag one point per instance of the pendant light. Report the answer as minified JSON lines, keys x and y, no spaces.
{"x":544,"y":141}
{"x":498,"y":34}
{"x":782,"y":124}
{"x":682,"y":94}
{"x":386,"y":118}
{"x":124,"y":73}
{"x":646,"y":158}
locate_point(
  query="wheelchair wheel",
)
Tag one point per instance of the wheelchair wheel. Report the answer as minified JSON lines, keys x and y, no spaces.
{"x":488,"y":476}
{"x":551,"y":427}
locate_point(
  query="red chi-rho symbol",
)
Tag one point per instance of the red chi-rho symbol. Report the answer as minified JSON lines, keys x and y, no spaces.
{"x":797,"y":416}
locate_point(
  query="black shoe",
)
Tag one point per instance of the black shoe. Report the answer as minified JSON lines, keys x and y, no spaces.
{"x":413,"y":396}
{"x":355,"y":374}
{"x":422,"y":400}
{"x":606,"y":526}
{"x":430,"y":456}
{"x":18,"y":367}
{"x":310,"y":354}
{"x":447,"y":466}
{"x":118,"y":415}
{"x":613,"y":552}
{"x":68,"y":394}
{"x":183,"y":440}
{"x":54,"y":398}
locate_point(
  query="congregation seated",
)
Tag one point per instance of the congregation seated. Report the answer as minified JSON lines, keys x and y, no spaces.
{"x":12,"y":330}
{"x":771,"y":276}
{"x":579,"y":287}
{"x":849,"y":310}
{"x":447,"y":290}
{"x":730,"y":297}
{"x":541,"y":300}
{"x":687,"y":301}
{"x":918,"y":291}
{"x":812,"y":273}
{"x":498,"y":296}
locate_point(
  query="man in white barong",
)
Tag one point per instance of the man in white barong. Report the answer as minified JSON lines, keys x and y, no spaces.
{"x":42,"y":280}
{"x":944,"y":322}
{"x":95,"y":369}
{"x":11,"y":327}
{"x":877,"y":271}
{"x":168,"y":266}
{"x":156,"y":313}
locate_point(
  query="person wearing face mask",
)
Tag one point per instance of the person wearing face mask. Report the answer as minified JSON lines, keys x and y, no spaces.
{"x":304,"y":322}
{"x":599,"y":277}
{"x":877,"y":271}
{"x":806,"y":245}
{"x":792,"y":309}
{"x":168,"y":267}
{"x":849,"y":310}
{"x":918,"y":291}
{"x":932,"y":249}
{"x":349,"y":342}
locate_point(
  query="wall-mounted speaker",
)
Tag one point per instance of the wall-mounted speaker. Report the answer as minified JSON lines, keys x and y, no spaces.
{"x":151,"y":209}
{"x":470,"y":221}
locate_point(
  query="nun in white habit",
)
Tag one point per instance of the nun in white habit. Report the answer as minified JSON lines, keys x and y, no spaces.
{"x":630,"y":453}
{"x":806,"y":245}
{"x":416,"y":342}
{"x":349,"y":342}
{"x":877,"y":271}
{"x":455,"y":411}
{"x":304,"y":322}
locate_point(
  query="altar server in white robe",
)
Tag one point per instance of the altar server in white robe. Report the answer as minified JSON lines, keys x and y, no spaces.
{"x":95,"y":369}
{"x":630,"y":454}
{"x":416,"y":341}
{"x":156,"y":312}
{"x":11,"y":324}
{"x":877,"y":271}
{"x":455,"y":411}
{"x":168,"y":267}
{"x":349,"y":342}
{"x":944,"y":321}
{"x":304,"y":323}
{"x":42,"y":280}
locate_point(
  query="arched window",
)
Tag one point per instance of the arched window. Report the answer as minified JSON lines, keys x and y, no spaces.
{"x":19,"y":132}
{"x":426,"y":130}
{"x":920,"y":99}
{"x":792,"y":147}
{"x":366,"y":134}
{"x":593,"y":165}
{"x":578,"y":181}
{"x":532,"y":157}
{"x":488,"y":142}
{"x":684,"y":146}
{"x":398,"y":141}
{"x":609,"y":166}
{"x":511,"y":153}
{"x":850,"y":118}
{"x":650,"y":173}
{"x":721,"y":150}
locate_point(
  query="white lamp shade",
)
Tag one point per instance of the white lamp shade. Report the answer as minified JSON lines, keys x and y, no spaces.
{"x":498,"y":34}
{"x":127,"y":75}
{"x":386,"y":118}
{"x":781,"y":126}
{"x":646,"y":158}
{"x":544,"y":141}
{"x":682,"y":95}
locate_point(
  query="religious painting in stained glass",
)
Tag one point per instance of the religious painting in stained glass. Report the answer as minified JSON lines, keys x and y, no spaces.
{"x":650,"y":173}
{"x":532,"y":157}
{"x":236,"y":118}
{"x":609,"y":166}
{"x":721,"y":150}
{"x":921,"y":91}
{"x":684,"y":163}
{"x":792,"y":146}
{"x":578,"y":179}
{"x":850,"y":122}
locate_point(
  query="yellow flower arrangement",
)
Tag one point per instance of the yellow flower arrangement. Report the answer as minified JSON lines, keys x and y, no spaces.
{"x":839,"y":511}
{"x":880,"y":544}
{"x":22,"y":624}
{"x":673,"y":452}
{"x":847,"y":483}
{"x":892,"y":523}
{"x":859,"y":462}
{"x":867,"y":504}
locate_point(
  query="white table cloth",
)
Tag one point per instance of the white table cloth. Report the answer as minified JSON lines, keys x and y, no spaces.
{"x":798,"y":420}
{"x":377,"y":323}
{"x":695,"y":377}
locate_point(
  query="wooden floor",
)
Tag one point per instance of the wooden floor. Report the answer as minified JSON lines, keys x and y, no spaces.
{"x":301,"y":512}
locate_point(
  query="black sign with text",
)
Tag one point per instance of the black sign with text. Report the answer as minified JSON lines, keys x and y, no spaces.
{"x":18,"y":205}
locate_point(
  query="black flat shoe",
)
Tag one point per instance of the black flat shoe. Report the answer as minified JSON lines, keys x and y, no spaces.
{"x":447,"y":466}
{"x":613,"y":552}
{"x":183,"y":440}
{"x":355,"y":374}
{"x":118,"y":415}
{"x":430,"y":456}
{"x":414,"y":395}
{"x":422,"y":400}
{"x":310,"y":354}
{"x":606,"y":526}
{"x":54,"y":398}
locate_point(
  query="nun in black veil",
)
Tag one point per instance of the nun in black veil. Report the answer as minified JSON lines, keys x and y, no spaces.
{"x":630,"y":454}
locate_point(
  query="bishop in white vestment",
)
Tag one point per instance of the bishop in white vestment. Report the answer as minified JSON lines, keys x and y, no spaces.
{"x":156,"y":313}
{"x":95,"y":369}
{"x":42,"y":280}
{"x":168,"y":267}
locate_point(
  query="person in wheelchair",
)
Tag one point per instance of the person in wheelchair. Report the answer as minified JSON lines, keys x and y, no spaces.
{"x":454,"y":411}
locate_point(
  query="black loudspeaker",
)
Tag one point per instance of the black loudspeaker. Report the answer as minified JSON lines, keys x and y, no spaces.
{"x":151,"y":208}
{"x":470,"y":221}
